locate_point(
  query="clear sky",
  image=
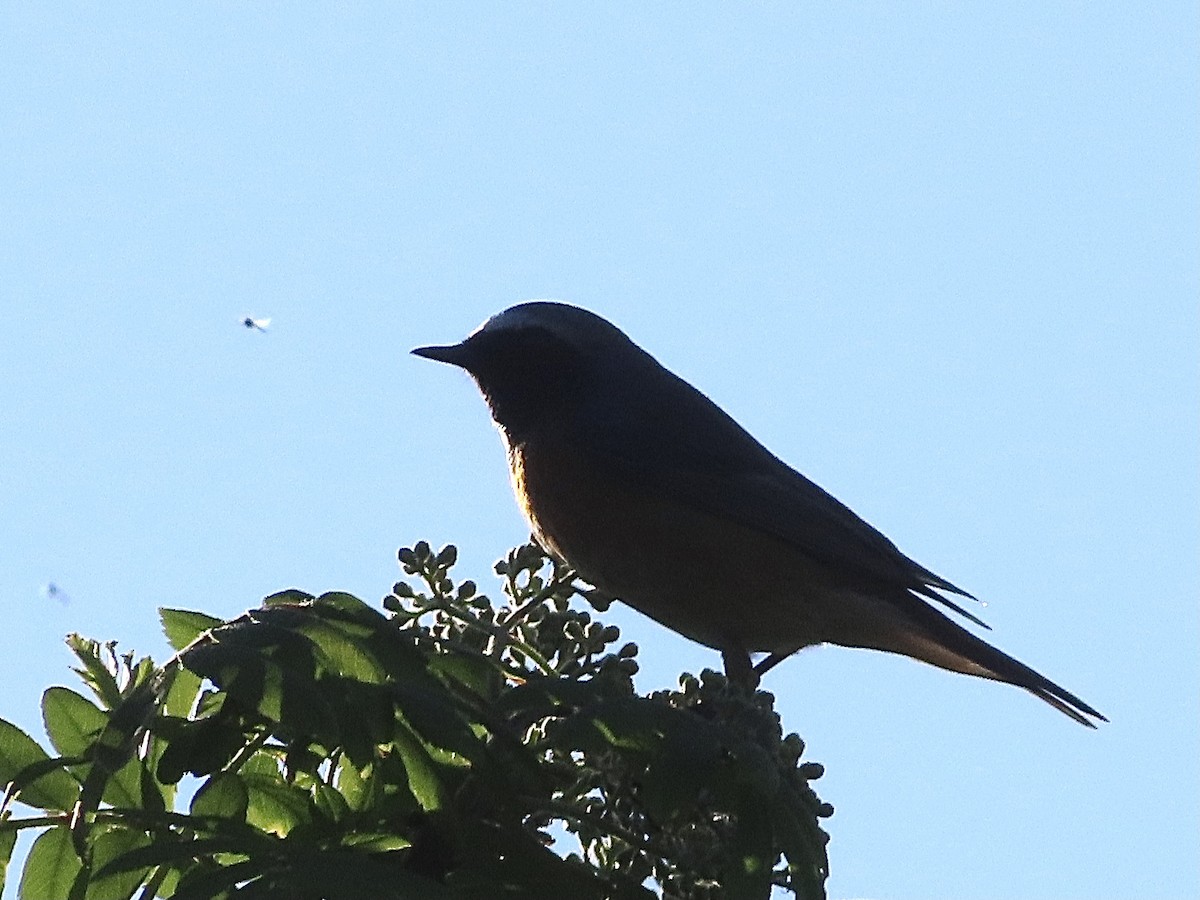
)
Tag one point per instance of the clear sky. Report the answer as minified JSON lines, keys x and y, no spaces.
{"x":941,"y":257}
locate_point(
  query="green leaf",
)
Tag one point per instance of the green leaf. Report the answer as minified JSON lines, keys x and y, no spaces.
{"x":271,"y":669}
{"x":95,"y":672}
{"x":173,"y":851}
{"x":375,"y":761}
{"x":476,"y":674}
{"x":182,"y":692}
{"x":114,"y":775}
{"x":545,"y":695}
{"x":262,"y":762}
{"x":51,"y":867}
{"x":329,"y":802}
{"x":55,"y":789}
{"x":241,"y":672}
{"x":366,"y":715}
{"x":182,"y":626}
{"x":8,"y":840}
{"x":200,"y":747}
{"x":375,"y":841}
{"x":223,"y":796}
{"x":274,"y":806}
{"x":349,"y":604}
{"x":124,"y":788}
{"x":72,"y":721}
{"x":288,"y":597}
{"x":155,"y":796}
{"x":341,"y":653}
{"x":354,"y":783}
{"x":108,"y":846}
{"x":307,"y":709}
{"x":209,"y":883}
{"x":433,"y":713}
{"x":631,"y":724}
{"x":423,"y":779}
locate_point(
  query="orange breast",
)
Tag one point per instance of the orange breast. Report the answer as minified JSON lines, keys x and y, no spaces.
{"x":708,"y":578}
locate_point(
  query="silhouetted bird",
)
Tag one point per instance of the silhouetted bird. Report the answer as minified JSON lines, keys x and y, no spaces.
{"x":655,"y":495}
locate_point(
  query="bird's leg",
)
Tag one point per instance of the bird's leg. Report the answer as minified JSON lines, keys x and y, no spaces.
{"x":771,"y":662}
{"x":738,"y":668}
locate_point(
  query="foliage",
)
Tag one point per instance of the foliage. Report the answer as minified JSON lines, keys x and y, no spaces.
{"x":452,"y":748}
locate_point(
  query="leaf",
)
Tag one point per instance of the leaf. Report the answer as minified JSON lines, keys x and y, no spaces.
{"x":375,"y":841}
{"x":329,"y":802}
{"x":481,"y":676}
{"x":8,"y":840}
{"x":155,"y":796}
{"x":631,"y":724}
{"x":264,"y":763}
{"x":181,"y":694}
{"x":55,"y":789}
{"x":108,"y":846}
{"x":274,"y":806}
{"x":200,"y":747}
{"x":271,"y":669}
{"x":51,"y":867}
{"x":182,"y":626}
{"x":104,"y":738}
{"x":288,"y":597}
{"x":72,"y":721}
{"x":350,"y":605}
{"x":367,"y":710}
{"x":209,"y":883}
{"x":95,"y":673}
{"x":223,"y":796}
{"x":124,"y":788}
{"x":306,"y":708}
{"x":423,"y":779}
{"x":342,"y":653}
{"x":239,"y":671}
{"x":355,"y":784}
{"x":545,"y":695}
{"x":433,"y":713}
{"x":173,"y":851}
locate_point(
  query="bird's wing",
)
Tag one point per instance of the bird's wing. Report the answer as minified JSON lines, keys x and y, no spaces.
{"x":694,"y":453}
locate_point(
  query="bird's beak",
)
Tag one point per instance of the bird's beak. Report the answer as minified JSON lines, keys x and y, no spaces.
{"x":455,"y":354}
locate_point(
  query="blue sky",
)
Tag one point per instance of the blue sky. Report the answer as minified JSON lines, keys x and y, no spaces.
{"x":942,"y":258}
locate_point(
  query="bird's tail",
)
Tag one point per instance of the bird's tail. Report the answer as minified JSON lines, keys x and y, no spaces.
{"x":946,"y":644}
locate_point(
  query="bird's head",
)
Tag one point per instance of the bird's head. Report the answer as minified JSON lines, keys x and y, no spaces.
{"x":540,"y":362}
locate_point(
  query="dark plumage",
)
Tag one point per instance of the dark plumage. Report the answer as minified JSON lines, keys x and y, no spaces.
{"x":645,"y":486}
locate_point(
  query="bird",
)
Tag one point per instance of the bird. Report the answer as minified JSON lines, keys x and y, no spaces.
{"x":658,"y":497}
{"x":52,"y":591}
{"x":256,"y":324}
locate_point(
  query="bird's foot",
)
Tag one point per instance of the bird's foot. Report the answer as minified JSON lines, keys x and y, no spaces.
{"x":739,"y":669}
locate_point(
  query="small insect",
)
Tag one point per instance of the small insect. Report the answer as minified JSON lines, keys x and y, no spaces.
{"x":52,"y":591}
{"x":256,"y":324}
